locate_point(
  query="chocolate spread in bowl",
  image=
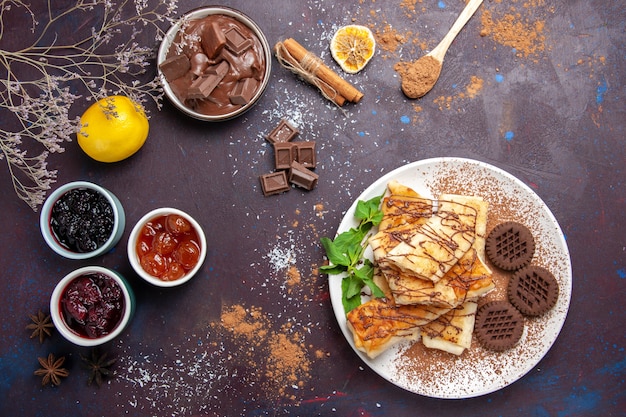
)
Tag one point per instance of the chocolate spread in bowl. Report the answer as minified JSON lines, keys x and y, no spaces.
{"x":216,"y":65}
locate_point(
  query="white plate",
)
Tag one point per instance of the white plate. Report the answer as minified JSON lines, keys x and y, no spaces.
{"x":477,"y":371}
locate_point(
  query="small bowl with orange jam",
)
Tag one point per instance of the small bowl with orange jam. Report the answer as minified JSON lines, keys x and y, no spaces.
{"x":166,"y":247}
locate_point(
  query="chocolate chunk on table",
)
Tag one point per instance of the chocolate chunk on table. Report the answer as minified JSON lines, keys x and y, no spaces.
{"x":302,"y":176}
{"x":175,"y":67}
{"x":274,"y":183}
{"x":284,"y":154}
{"x":284,"y":132}
{"x":243,"y":91}
{"x":305,"y":154}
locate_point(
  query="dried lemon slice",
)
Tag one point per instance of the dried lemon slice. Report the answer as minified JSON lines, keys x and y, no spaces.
{"x":352,"y":47}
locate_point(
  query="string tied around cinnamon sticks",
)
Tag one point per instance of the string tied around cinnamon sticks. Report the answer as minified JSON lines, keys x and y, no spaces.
{"x":310,"y":68}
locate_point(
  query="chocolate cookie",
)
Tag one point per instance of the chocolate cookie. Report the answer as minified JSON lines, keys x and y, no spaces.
{"x":499,"y":325}
{"x":533,"y":290}
{"x":510,"y":246}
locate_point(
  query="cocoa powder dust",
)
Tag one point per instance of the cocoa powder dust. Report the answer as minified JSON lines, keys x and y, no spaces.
{"x":418,"y":77}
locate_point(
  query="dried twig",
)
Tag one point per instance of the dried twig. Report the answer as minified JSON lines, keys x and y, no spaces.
{"x":103,"y":58}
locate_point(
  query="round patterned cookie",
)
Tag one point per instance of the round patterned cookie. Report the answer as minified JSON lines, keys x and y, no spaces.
{"x":499,"y":326}
{"x":510,"y":246}
{"x":533,"y":290}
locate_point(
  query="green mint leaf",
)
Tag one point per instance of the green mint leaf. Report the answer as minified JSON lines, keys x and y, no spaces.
{"x":366,"y":275}
{"x":376,"y":291}
{"x":333,"y":269}
{"x":365,"y":272}
{"x":349,"y":302}
{"x":354,"y":254}
{"x":377,"y":218}
{"x":345,"y":254}
{"x":349,"y":238}
{"x":354,"y":286}
{"x":366,"y":210}
{"x":335,"y":253}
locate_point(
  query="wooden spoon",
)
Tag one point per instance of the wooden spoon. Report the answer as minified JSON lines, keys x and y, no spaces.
{"x":420,"y":76}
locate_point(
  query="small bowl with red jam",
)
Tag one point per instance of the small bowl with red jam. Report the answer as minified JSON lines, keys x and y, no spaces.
{"x":92,"y":305}
{"x":214,"y":63}
{"x":82,"y":220}
{"x":167,"y":247}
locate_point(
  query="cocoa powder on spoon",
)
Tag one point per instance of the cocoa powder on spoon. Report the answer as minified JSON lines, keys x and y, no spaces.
{"x":418,"y":77}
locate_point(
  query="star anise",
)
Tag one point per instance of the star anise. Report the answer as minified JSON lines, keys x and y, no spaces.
{"x":40,"y":326}
{"x":51,"y":370}
{"x":98,"y":366}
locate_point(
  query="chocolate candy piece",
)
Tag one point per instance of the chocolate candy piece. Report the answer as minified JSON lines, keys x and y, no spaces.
{"x":199,"y":63}
{"x":244,"y":91}
{"x":302,"y":176}
{"x":284,"y":132}
{"x":533,"y":290}
{"x":179,"y":87}
{"x":499,"y":326}
{"x":305,"y":154}
{"x":510,"y":246}
{"x":202,"y":87}
{"x":213,"y":39}
{"x":175,"y":67}
{"x":237,"y":42}
{"x":284,"y":154}
{"x":274,"y":183}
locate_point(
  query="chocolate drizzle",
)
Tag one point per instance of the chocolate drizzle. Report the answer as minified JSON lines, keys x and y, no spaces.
{"x":429,"y":264}
{"x":438,"y":244}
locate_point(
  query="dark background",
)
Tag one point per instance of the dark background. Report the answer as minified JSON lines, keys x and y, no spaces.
{"x":553,"y":118}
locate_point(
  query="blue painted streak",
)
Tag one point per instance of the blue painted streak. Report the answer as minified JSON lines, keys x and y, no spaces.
{"x":615,"y":369}
{"x":581,"y":402}
{"x":601,"y":91}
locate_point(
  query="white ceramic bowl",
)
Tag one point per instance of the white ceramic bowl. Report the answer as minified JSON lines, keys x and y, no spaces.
{"x":119,"y":221}
{"x":135,"y":235}
{"x":56,"y":306}
{"x":200,"y":13}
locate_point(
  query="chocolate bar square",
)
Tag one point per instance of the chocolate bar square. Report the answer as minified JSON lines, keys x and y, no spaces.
{"x":213,"y":39}
{"x":274,"y":183}
{"x":284,"y":154}
{"x":305,"y":154}
{"x":220,"y":69}
{"x":236,"y":41}
{"x":302,"y":176}
{"x":284,"y":132}
{"x":175,"y":67}
{"x":243,"y":91}
{"x":203,"y":86}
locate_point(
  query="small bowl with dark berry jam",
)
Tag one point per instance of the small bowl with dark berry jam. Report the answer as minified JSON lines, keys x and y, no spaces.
{"x":92,"y":305}
{"x":81,"y":220}
{"x":167,"y":247}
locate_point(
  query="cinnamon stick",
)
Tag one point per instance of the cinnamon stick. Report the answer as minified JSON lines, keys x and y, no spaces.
{"x":327,"y":90}
{"x":321,"y":71}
